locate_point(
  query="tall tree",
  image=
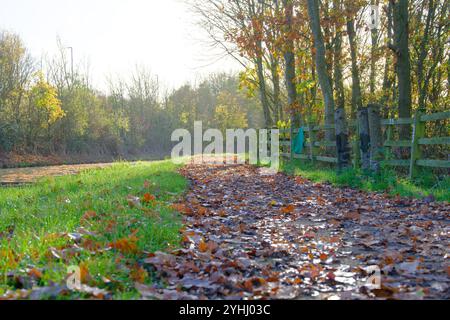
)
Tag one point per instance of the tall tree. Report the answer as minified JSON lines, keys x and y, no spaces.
{"x":321,"y":64}
{"x":403,"y":66}
{"x":356,"y":83}
{"x":289,"y":59}
{"x":343,"y":150}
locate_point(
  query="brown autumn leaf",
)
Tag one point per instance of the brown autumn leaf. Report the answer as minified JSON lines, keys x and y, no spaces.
{"x":334,"y":239}
{"x":300,"y":180}
{"x":88,"y":215}
{"x":323,"y":256}
{"x":352,"y":215}
{"x":248,"y":285}
{"x":35,"y":273}
{"x":331,"y":275}
{"x":85,"y":276}
{"x":147,"y":198}
{"x":203,"y":246}
{"x":182,"y":208}
{"x":288,"y":209}
{"x":138,"y":274}
{"x":304,"y":250}
{"x":125,"y":245}
{"x":320,"y":201}
{"x":202,"y":210}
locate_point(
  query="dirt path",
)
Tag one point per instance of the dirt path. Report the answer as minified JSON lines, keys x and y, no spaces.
{"x":278,"y":237}
{"x":30,"y":175}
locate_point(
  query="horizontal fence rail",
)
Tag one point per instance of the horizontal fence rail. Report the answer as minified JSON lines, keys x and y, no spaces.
{"x":313,"y":144}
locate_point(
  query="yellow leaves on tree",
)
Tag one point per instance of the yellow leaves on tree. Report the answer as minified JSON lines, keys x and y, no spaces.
{"x":44,"y":99}
{"x":228,"y":114}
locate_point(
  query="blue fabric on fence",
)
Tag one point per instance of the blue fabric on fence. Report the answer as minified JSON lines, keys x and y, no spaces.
{"x":299,"y":141}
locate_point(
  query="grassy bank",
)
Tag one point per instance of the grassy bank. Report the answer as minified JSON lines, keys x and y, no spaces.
{"x":103,"y":221}
{"x":388,"y":181}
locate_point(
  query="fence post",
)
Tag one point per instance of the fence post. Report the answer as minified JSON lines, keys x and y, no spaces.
{"x":312,"y":142}
{"x":291,"y":141}
{"x":416,"y":154}
{"x":376,"y":143}
{"x":389,"y":137}
{"x":363,"y":134}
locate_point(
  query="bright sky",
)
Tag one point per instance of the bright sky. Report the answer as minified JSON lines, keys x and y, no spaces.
{"x":116,"y":35}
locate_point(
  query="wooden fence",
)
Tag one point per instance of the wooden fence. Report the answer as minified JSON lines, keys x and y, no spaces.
{"x":313,"y":143}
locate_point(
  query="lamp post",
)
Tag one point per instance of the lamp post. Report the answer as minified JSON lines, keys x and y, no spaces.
{"x":71,"y":61}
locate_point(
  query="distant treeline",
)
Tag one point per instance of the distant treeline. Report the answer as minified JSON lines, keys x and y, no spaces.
{"x":55,"y":110}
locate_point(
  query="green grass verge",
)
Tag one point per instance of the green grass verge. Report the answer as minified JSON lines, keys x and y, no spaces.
{"x":35,"y":222}
{"x":387,"y":181}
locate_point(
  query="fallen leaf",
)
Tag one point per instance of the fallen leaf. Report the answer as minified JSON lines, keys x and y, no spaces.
{"x":147,"y":198}
{"x":288,"y":209}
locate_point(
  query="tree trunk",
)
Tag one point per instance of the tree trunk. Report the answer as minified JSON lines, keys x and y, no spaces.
{"x":263,"y":93}
{"x":373,"y":60}
{"x":337,"y":57}
{"x":289,"y":58}
{"x":387,"y":80}
{"x":321,"y":65}
{"x":342,"y":144}
{"x":401,"y":38}
{"x":421,"y":82}
{"x":277,"y":109}
{"x":356,"y":83}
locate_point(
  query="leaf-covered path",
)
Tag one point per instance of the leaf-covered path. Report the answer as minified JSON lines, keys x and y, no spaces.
{"x":254,"y":237}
